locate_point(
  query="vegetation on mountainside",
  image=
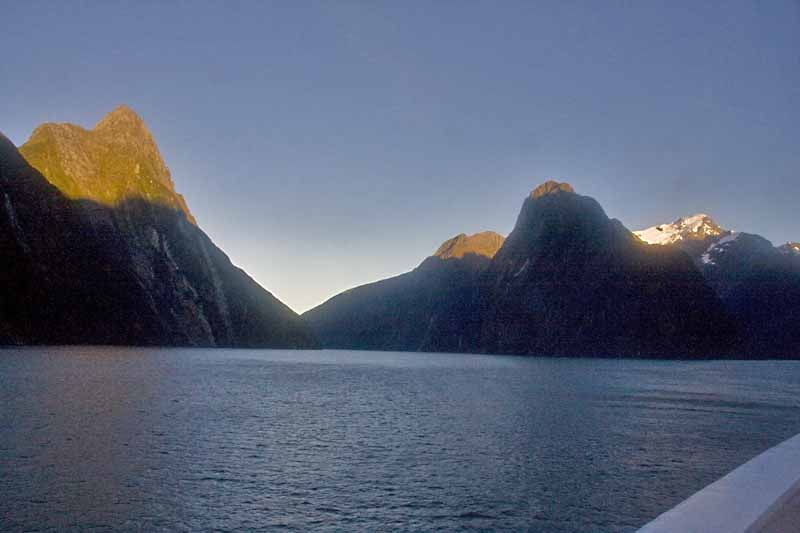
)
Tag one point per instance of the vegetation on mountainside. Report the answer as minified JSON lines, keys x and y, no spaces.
{"x":118,"y":160}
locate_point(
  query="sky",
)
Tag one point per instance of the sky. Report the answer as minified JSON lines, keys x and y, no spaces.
{"x":323,"y":145}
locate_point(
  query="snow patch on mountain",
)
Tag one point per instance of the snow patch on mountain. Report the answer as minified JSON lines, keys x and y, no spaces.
{"x":697,"y":226}
{"x":718,"y":247}
{"x":790,"y":248}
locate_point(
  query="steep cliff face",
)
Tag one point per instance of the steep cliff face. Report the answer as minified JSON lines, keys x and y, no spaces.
{"x":427,"y":309}
{"x":60,"y":280}
{"x":115,"y":257}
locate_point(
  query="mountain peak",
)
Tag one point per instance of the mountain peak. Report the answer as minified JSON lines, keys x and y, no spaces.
{"x":484,"y":244}
{"x":9,"y":155}
{"x":116,"y":161}
{"x":695,"y":227}
{"x":120,"y":115}
{"x":551,"y":187}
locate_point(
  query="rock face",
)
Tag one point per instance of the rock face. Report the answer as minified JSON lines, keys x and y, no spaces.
{"x":98,"y":248}
{"x":427,"y":309}
{"x":550,"y":187}
{"x":116,"y":161}
{"x":567,"y":281}
{"x":758,"y":284}
{"x":484,"y":244}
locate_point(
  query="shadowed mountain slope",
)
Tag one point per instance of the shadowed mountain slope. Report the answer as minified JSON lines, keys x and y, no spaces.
{"x":760,"y":286}
{"x":121,"y":267}
{"x":567,"y":281}
{"x":427,"y":309}
{"x":758,"y":283}
{"x":571,"y":281}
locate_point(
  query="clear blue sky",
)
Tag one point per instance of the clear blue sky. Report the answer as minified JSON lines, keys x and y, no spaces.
{"x":327,"y":144}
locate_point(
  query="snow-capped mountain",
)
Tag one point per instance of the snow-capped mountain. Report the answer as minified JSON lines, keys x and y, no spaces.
{"x":567,"y":280}
{"x":758,"y":283}
{"x":695,"y":227}
{"x":790,"y":248}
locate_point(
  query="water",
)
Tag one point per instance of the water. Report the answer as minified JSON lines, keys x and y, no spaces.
{"x":149,"y":439}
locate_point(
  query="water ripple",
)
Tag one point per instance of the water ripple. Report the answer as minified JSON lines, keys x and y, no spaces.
{"x":245,"y":440}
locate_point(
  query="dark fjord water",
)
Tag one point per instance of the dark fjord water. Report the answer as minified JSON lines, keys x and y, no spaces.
{"x":141,"y":439}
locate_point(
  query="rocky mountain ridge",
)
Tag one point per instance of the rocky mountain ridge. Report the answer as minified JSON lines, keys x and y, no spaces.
{"x":100,"y":249}
{"x":567,"y":281}
{"x":117,"y":160}
{"x":483,"y":244}
{"x":422,"y":310}
{"x":695,"y":227}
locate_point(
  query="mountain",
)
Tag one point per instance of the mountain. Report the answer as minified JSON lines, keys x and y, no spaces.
{"x":484,"y":244}
{"x":98,"y":248}
{"x":790,"y":248}
{"x":568,"y":281}
{"x":758,"y":283}
{"x":427,"y":309}
{"x":694,"y":234}
{"x":695,"y":227}
{"x":115,"y":161}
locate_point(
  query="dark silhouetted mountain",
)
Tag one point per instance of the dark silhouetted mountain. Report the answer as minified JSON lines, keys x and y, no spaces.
{"x":427,"y":309}
{"x":567,"y":281}
{"x":759,"y":286}
{"x":116,"y":258}
{"x":570,"y":281}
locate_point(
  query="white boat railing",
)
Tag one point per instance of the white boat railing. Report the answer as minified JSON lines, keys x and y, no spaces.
{"x":761,"y":496}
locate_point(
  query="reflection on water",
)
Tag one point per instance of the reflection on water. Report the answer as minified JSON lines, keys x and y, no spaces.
{"x":231,"y":439}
